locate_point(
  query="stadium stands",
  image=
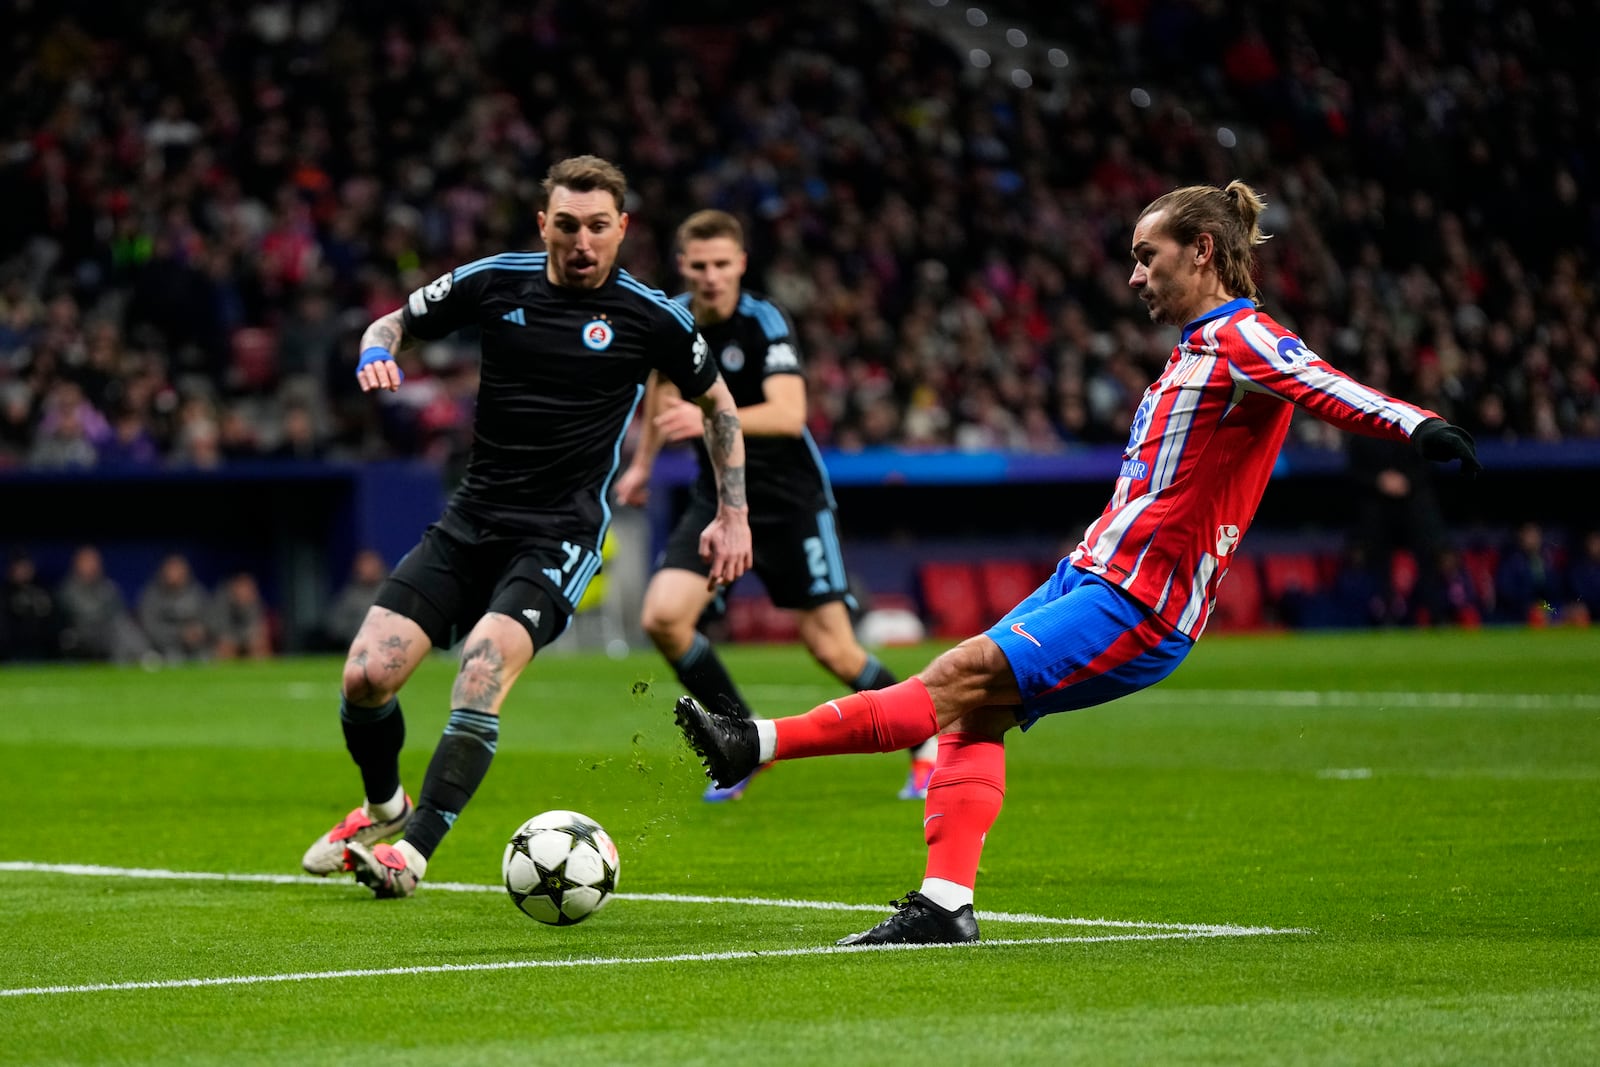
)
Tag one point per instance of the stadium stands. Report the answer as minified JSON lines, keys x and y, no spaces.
{"x":201,"y":218}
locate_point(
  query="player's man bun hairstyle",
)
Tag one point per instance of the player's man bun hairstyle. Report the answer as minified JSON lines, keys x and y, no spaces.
{"x":585,"y":174}
{"x":709,"y":224}
{"x":1231,"y":215}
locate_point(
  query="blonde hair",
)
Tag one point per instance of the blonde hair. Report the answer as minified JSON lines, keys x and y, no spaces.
{"x":1231,"y":215}
{"x":584,"y":174}
{"x":709,"y":224}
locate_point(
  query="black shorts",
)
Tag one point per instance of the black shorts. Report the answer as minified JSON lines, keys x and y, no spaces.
{"x":453,"y":578}
{"x":797,"y":557}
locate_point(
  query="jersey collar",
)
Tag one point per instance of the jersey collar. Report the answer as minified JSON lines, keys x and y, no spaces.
{"x":573,"y":292}
{"x":1221,"y":311}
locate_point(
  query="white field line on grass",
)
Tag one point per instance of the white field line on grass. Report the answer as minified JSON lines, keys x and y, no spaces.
{"x":617,"y":961}
{"x":89,"y":870}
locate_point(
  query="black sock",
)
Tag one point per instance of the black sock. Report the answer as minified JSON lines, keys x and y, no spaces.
{"x":873,"y":676}
{"x":454,"y":774}
{"x":374,"y":737}
{"x":703,"y":675}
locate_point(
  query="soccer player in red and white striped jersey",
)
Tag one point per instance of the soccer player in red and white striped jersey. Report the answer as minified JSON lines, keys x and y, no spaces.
{"x":1122,"y":611}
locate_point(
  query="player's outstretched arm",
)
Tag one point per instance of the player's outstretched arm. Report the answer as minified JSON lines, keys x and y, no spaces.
{"x":725,"y":544}
{"x":381,"y":340}
{"x":1442,"y":441}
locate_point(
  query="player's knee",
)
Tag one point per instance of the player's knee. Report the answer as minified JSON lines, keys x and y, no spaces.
{"x":839,"y":655}
{"x":367,"y":682}
{"x":669,"y":630}
{"x":968,"y":675}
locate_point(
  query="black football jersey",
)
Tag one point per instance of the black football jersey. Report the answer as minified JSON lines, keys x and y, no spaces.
{"x":784,"y":475}
{"x":562,"y":371}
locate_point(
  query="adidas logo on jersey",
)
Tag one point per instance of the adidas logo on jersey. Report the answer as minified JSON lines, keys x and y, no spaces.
{"x":516,"y":316}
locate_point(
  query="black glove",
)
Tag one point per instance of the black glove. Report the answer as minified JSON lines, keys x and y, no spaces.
{"x":1441,"y":442}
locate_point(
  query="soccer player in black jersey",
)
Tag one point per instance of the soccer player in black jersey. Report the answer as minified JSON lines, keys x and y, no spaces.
{"x":568,"y":342}
{"x":791,"y":503}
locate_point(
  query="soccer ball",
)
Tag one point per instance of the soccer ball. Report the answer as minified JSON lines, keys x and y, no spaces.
{"x":560,"y":867}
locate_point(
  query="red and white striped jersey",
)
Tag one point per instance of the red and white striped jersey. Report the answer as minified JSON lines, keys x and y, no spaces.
{"x":1202,"y":446}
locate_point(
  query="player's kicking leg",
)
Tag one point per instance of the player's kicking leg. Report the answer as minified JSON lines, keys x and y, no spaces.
{"x":1074,"y":643}
{"x":961,"y":805}
{"x":830,"y":637}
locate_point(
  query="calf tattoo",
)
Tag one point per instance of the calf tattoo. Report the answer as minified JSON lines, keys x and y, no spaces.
{"x":481,"y":679}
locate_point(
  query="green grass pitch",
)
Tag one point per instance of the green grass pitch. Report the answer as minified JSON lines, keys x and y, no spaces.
{"x":1377,"y":848}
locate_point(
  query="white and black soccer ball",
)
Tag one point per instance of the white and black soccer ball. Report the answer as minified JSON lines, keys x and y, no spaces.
{"x":560,"y":867}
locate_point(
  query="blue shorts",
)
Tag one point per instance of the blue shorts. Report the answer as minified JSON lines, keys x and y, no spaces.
{"x":1078,"y":641}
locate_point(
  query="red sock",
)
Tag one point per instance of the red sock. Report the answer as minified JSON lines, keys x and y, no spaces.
{"x":968,"y":787}
{"x":879,"y":720}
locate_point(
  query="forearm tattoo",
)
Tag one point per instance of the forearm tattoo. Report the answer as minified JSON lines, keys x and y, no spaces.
{"x":724,"y":434}
{"x":733,"y":487}
{"x":387,"y":332}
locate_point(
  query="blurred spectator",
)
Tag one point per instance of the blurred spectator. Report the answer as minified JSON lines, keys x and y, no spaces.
{"x":239,"y":625}
{"x":95,"y":619}
{"x":1454,"y":600}
{"x":299,"y":440}
{"x":1583,"y":580}
{"x":1359,"y":593}
{"x":1528,"y":584}
{"x":28,"y":621}
{"x":349,"y":609}
{"x":131,"y":443}
{"x":173,"y":609}
{"x":69,"y":431}
{"x":1396,"y":508}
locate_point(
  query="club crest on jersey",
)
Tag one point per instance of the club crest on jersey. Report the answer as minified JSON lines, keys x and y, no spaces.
{"x":732,"y":358}
{"x":1227,"y":537}
{"x":598,"y":335}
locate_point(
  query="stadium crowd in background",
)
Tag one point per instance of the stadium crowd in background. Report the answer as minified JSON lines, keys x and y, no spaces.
{"x":82,"y":614}
{"x":205,"y":204}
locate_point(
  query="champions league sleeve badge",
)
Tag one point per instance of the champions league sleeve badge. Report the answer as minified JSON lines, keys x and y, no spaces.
{"x":598,"y":335}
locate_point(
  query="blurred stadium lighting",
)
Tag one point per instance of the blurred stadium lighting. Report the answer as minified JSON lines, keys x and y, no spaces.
{"x":970,"y":31}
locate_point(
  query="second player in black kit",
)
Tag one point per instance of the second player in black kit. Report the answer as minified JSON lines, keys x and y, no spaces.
{"x":568,"y":341}
{"x":791,"y":503}
{"x":797,"y":553}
